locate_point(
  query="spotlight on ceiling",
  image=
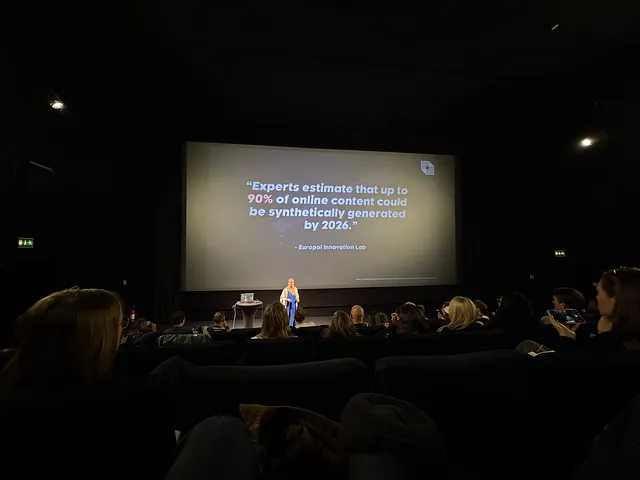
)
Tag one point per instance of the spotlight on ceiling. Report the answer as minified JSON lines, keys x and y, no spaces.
{"x":57,"y":104}
{"x":586,"y":142}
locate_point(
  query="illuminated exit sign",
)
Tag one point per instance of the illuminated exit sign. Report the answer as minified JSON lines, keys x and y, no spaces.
{"x":25,"y":242}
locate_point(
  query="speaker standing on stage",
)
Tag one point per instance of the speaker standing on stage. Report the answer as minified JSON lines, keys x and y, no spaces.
{"x":290,"y":298}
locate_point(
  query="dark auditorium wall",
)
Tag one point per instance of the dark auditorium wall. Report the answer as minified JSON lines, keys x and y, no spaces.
{"x":113,"y":211}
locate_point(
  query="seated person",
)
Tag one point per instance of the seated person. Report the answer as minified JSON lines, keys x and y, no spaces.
{"x":514,"y":314}
{"x":411,"y":319}
{"x":179,"y":319}
{"x":66,"y":345}
{"x":565,"y":298}
{"x":219,"y":323}
{"x":136,"y":332}
{"x":67,"y":339}
{"x":275,"y":323}
{"x":341,"y":326}
{"x":443,"y":314}
{"x":463,"y":316}
{"x":619,"y":304}
{"x":181,"y":335}
{"x":301,"y":319}
{"x":129,"y":331}
{"x":592,"y":314}
{"x":483,"y":309}
{"x":357,"y":317}
{"x":378,"y":320}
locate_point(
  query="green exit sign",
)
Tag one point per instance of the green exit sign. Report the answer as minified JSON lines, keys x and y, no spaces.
{"x":25,"y":242}
{"x":560,"y":253}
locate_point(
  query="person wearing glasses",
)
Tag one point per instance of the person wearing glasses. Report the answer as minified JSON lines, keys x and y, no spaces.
{"x":619,"y":305}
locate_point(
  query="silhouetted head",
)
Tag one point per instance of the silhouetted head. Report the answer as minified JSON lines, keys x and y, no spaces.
{"x":514,"y":312}
{"x":341,"y":325}
{"x":462,"y":313}
{"x":412,"y":320}
{"x":179,"y":318}
{"x":377,"y":319}
{"x":67,"y":339}
{"x":565,"y":298}
{"x":300,"y":315}
{"x":619,"y":300}
{"x":357,"y":314}
{"x":275,"y":322}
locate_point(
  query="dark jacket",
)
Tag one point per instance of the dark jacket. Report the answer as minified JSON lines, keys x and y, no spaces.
{"x":182,"y":336}
{"x":616,"y":452}
{"x":326,"y":333}
{"x":72,"y":434}
{"x":178,"y":331}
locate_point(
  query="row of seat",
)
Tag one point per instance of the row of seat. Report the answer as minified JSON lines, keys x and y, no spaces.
{"x":236,"y":348}
{"x":495,"y":409}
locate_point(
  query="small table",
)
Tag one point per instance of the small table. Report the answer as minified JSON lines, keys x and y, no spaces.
{"x":249,"y":310}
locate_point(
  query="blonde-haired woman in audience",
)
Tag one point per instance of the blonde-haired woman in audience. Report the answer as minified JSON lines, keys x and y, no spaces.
{"x":275,"y":322}
{"x":67,"y":339}
{"x":463,"y":314}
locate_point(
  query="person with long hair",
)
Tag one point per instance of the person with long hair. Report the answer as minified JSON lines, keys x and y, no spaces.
{"x":514,"y":313}
{"x":59,"y":394}
{"x":378,"y":319}
{"x":485,"y":313}
{"x":275,"y":322}
{"x":341,"y":326}
{"x":411,"y":319}
{"x":290,"y":298}
{"x":463,"y":314}
{"x":67,"y":339}
{"x":619,"y":305}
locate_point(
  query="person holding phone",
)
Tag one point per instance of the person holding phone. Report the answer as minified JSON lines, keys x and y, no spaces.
{"x":619,"y":304}
{"x":565,"y":298}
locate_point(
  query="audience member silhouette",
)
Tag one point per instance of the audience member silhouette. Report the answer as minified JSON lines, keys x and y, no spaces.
{"x":67,"y":339}
{"x":411,"y":319}
{"x":341,"y":326}
{"x":219,"y":322}
{"x":514,"y":313}
{"x":565,"y":298}
{"x":275,"y":322}
{"x":301,"y":319}
{"x":463,"y":316}
{"x":619,"y":304}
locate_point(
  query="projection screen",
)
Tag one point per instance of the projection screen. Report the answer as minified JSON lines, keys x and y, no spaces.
{"x":257,"y":215}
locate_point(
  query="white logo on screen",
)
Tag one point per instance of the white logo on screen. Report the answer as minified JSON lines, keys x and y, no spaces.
{"x":427,"y":167}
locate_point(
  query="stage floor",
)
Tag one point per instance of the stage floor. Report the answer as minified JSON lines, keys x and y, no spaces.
{"x":258,"y":322}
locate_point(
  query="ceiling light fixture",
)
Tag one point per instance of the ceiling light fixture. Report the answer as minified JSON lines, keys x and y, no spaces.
{"x":57,"y":104}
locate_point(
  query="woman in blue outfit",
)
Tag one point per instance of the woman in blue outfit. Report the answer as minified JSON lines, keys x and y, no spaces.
{"x":290,"y":298}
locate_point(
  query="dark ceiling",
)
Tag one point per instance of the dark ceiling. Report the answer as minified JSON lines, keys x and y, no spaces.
{"x":200,"y":69}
